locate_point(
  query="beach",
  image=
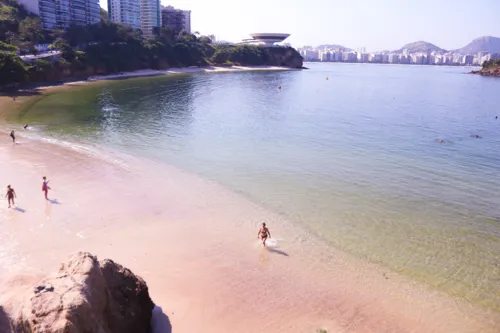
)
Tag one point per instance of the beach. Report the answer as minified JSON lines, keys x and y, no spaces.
{"x":194,"y":242}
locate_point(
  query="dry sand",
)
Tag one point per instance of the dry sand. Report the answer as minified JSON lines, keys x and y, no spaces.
{"x":194,"y":242}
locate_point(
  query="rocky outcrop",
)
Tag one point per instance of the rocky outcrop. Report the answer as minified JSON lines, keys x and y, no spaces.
{"x":85,"y":296}
{"x":495,"y":71}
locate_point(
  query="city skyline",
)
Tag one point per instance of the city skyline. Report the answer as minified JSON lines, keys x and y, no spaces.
{"x":381,"y":25}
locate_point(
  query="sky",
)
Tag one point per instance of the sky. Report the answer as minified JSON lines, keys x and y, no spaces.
{"x":375,"y":24}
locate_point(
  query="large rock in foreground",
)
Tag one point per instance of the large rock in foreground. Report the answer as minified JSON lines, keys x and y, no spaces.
{"x":85,"y":296}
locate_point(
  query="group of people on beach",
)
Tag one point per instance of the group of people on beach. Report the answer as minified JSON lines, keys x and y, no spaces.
{"x":11,"y":193}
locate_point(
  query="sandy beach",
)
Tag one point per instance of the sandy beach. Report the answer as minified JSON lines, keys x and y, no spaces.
{"x":194,"y":242}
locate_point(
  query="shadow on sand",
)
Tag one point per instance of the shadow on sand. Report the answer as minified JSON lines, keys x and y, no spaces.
{"x":160,"y":323}
{"x":273,"y":250}
{"x":19,"y":209}
{"x":54,"y":201}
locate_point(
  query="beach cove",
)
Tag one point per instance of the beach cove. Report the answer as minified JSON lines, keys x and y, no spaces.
{"x":194,"y":242}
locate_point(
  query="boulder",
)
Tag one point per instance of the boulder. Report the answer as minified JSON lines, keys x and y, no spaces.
{"x":85,"y":296}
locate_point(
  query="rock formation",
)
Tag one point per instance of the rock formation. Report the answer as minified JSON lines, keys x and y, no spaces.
{"x":85,"y":296}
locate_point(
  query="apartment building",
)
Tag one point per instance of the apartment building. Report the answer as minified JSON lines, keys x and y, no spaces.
{"x":61,"y":14}
{"x":177,"y":19}
{"x":127,"y":12}
{"x":150,"y":16}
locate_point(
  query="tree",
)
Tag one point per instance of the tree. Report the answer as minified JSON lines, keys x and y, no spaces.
{"x":12,"y":69}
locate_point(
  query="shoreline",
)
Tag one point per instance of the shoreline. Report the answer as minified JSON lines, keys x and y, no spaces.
{"x":24,"y":94}
{"x":194,"y":245}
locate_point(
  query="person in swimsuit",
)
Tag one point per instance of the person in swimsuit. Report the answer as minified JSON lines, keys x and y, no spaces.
{"x":13,"y":136}
{"x":45,"y":187}
{"x":263,"y":234}
{"x":10,"y":195}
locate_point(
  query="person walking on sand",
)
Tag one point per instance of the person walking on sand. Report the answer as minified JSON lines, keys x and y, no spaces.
{"x":10,"y":195}
{"x":263,"y":234}
{"x":45,"y":187}
{"x":13,"y":136}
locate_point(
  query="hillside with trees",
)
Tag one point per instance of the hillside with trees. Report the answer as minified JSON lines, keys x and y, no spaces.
{"x":109,"y":47}
{"x":421,"y":46}
{"x":482,"y":44}
{"x":490,"y":68}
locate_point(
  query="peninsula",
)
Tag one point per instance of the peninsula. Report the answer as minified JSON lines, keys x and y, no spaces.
{"x":490,"y":68}
{"x":108,"y":48}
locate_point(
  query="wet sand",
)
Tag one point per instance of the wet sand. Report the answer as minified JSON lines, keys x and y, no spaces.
{"x":194,"y":242}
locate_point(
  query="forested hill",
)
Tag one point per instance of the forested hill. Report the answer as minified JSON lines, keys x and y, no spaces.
{"x":109,"y":47}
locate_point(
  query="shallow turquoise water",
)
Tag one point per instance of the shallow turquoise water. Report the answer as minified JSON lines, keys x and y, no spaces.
{"x":354,"y":158}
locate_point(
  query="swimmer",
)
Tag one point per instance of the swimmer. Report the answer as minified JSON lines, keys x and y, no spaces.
{"x":263,"y":234}
{"x":45,"y":187}
{"x":13,"y":136}
{"x":279,"y":86}
{"x":496,"y":117}
{"x":26,"y":126}
{"x":476,"y":136}
{"x":441,"y":141}
{"x":10,"y":195}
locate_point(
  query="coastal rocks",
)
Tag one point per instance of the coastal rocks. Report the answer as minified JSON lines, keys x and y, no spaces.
{"x":488,"y":72}
{"x":86,"y":295}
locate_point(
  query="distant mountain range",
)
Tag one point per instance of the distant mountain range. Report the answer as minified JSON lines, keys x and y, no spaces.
{"x":481,"y":44}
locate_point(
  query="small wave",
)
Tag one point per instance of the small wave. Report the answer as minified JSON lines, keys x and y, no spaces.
{"x":39,"y":135}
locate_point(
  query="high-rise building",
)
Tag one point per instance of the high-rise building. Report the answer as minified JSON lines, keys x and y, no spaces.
{"x":63,"y":13}
{"x":127,"y":12}
{"x":177,"y":19}
{"x":150,"y":16}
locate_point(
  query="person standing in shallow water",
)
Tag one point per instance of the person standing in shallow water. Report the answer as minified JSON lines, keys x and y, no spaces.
{"x":13,"y":136}
{"x":45,"y":187}
{"x":10,"y":195}
{"x":263,"y":234}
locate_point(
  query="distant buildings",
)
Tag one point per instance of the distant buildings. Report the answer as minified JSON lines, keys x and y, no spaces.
{"x":127,"y":12}
{"x":400,"y":57}
{"x":177,"y":19}
{"x":150,"y":16}
{"x":61,"y":14}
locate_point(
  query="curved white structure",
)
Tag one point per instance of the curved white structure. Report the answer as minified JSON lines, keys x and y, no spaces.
{"x":267,"y":39}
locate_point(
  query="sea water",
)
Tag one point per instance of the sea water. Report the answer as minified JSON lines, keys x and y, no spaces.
{"x":398,"y":165}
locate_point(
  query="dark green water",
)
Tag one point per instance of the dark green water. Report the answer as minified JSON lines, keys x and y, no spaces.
{"x":355,"y":158}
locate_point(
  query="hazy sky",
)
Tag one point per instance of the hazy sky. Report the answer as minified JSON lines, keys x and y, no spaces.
{"x":374,"y":24}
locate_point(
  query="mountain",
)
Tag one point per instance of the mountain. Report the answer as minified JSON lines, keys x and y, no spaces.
{"x":420,"y":46}
{"x":482,"y":44}
{"x":332,"y":46}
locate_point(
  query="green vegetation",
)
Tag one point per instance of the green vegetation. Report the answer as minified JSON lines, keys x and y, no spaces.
{"x":108,"y":47}
{"x":491,"y":64}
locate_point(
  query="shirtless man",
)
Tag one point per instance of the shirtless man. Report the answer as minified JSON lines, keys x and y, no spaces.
{"x":263,"y":234}
{"x":10,"y":195}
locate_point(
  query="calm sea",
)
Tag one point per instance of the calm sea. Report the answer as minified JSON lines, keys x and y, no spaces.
{"x":350,"y":152}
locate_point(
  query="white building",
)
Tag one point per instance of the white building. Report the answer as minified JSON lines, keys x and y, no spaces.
{"x":127,"y":12}
{"x":363,"y":57}
{"x":393,"y":58}
{"x":150,"y":16}
{"x":61,"y":14}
